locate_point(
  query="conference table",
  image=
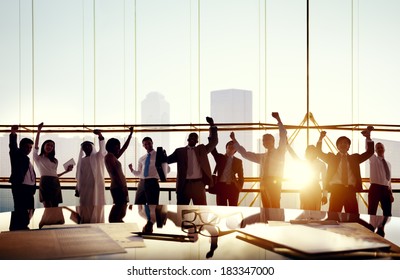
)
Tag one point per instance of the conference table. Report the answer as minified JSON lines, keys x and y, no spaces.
{"x":190,"y":232}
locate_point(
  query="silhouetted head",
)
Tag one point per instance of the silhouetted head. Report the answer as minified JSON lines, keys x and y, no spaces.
{"x":343,"y":144}
{"x":380,"y":149}
{"x":113,"y":146}
{"x":268,"y":141}
{"x":25,"y":145}
{"x":87,"y":147}
{"x":48,"y":150}
{"x":230,"y":148}
{"x":147,"y":143}
{"x":193,"y":139}
{"x":311,"y":152}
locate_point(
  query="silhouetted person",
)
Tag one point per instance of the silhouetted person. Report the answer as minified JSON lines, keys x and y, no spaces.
{"x":118,"y":188}
{"x":22,"y":179}
{"x":90,"y":181}
{"x":194,"y":171}
{"x":230,"y":175}
{"x":310,"y":192}
{"x":49,"y":188}
{"x":271,"y":165}
{"x":380,"y":189}
{"x":148,"y":191}
{"x":343,"y":178}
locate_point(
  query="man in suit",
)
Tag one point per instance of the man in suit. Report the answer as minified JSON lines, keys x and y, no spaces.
{"x":230,"y":175}
{"x":22,"y":179}
{"x":343,"y":178}
{"x":271,"y":164}
{"x":194,"y":170}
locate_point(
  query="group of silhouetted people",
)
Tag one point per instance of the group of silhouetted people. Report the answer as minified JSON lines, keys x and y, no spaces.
{"x":341,"y":177}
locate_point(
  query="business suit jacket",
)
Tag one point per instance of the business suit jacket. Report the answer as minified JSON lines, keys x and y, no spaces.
{"x":354,"y":160}
{"x":237,"y":168}
{"x":19,"y":162}
{"x":180,"y":157}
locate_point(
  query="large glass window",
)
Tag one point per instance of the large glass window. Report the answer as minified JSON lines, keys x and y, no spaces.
{"x":155,"y":62}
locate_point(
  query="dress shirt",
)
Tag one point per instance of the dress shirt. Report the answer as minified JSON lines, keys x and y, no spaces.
{"x":377,"y":171}
{"x":226,"y":175}
{"x":45,"y":165}
{"x":274,"y":164}
{"x":337,"y":177}
{"x":193,"y":168}
{"x":30,"y":177}
{"x":152,"y":167}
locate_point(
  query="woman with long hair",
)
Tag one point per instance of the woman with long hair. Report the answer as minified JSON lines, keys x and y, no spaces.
{"x":49,"y":187}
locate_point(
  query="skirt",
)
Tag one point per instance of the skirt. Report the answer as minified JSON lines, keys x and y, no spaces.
{"x":50,"y":190}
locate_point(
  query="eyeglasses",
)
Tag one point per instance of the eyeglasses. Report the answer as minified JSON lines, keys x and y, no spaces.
{"x":205,"y":222}
{"x":207,"y":230}
{"x":205,"y":217}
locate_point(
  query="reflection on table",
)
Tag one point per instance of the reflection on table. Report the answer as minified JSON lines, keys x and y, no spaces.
{"x":200,"y":232}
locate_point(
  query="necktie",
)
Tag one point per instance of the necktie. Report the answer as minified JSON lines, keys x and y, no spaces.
{"x":227,"y":173}
{"x":147,"y":165}
{"x":387,"y":171}
{"x":344,"y":170}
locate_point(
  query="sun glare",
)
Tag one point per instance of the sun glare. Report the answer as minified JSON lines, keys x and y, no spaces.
{"x":298,"y":174}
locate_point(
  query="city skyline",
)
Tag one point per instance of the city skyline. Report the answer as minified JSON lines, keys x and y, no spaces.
{"x":93,"y":62}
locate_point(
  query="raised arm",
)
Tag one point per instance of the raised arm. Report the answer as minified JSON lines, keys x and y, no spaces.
{"x":324,"y":157}
{"x":102,"y":146}
{"x":39,"y":130}
{"x":13,"y":139}
{"x":282,"y":131}
{"x":369,"y":143}
{"x":98,"y":133}
{"x":213,"y":137}
{"x":126,"y":144}
{"x":320,"y":154}
{"x":215,"y":153}
{"x":242,"y":151}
